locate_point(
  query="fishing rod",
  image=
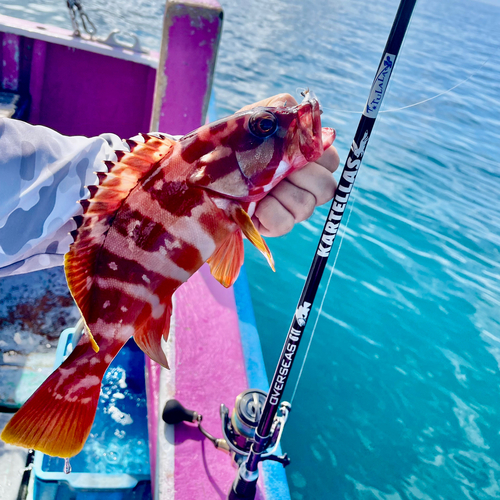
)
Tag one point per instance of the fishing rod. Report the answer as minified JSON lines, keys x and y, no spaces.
{"x":253,"y":432}
{"x":245,"y":484}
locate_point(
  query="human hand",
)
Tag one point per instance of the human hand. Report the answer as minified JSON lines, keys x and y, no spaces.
{"x":295,"y":197}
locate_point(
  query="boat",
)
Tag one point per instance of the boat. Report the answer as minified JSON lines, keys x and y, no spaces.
{"x":53,"y":77}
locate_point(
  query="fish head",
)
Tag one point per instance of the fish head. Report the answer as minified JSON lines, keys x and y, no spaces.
{"x":245,"y":155}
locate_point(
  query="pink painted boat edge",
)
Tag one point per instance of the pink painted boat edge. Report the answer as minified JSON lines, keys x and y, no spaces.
{"x":191,"y":33}
{"x":153,"y":371}
{"x":221,"y":301}
{"x":210,"y":370}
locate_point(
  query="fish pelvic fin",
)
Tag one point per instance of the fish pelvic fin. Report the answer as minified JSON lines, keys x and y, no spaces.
{"x":226,"y":261}
{"x":149,"y":336}
{"x":57,"y":418}
{"x":101,"y":207}
{"x":92,"y":341}
{"x":246,"y":225}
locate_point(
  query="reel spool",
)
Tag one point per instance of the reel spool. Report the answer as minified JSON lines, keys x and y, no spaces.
{"x":239,"y":429}
{"x":247,"y":411}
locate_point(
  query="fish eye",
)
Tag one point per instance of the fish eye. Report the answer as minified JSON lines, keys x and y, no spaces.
{"x":263,"y":124}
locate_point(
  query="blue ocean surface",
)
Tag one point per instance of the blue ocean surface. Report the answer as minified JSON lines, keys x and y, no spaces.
{"x":400,"y":393}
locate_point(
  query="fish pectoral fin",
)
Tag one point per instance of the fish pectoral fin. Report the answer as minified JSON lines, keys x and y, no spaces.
{"x":148,"y":338}
{"x":250,"y":231}
{"x":226,"y":261}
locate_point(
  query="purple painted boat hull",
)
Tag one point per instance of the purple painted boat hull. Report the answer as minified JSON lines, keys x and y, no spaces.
{"x":72,"y":89}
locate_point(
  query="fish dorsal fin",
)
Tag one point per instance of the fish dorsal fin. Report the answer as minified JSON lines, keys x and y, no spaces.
{"x":226,"y":261}
{"x":99,"y":210}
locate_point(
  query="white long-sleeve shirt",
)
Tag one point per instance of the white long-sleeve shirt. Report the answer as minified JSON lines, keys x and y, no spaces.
{"x":43,"y":175}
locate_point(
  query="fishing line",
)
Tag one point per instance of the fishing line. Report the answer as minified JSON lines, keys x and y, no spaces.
{"x":245,"y":484}
{"x":472,"y":75}
{"x":320,"y":310}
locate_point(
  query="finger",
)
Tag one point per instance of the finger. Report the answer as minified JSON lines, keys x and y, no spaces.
{"x":316,"y":180}
{"x":329,"y":159}
{"x":274,"y":101}
{"x":299,"y":202}
{"x":271,"y":218}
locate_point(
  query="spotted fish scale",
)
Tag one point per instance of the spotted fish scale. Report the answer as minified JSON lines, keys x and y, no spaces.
{"x":159,"y":213}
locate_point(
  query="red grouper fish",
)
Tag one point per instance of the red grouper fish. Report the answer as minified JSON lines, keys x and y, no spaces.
{"x":161,"y":211}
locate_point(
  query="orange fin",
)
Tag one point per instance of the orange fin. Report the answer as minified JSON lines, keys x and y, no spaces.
{"x":92,"y":341}
{"x":99,"y":210}
{"x":148,"y":338}
{"x":57,"y":418}
{"x":226,"y":261}
{"x":250,"y":231}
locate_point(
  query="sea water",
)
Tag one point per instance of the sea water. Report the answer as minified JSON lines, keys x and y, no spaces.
{"x":400,"y":395}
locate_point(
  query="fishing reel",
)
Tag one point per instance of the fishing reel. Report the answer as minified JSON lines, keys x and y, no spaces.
{"x":239,"y":429}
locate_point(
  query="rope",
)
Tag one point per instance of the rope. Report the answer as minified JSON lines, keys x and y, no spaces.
{"x":24,"y":487}
{"x":75,"y":8}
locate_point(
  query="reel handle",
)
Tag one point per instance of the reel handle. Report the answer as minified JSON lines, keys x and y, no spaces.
{"x":174,"y":413}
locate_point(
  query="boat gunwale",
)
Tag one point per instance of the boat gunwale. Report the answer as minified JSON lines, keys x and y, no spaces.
{"x":61,"y":36}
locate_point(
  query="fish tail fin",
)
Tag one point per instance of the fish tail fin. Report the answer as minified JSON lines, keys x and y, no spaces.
{"x":57,"y":418}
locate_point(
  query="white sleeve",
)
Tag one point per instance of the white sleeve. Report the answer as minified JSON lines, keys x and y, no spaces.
{"x":43,"y":174}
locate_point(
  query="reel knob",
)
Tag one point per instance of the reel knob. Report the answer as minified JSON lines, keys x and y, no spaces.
{"x":174,"y":413}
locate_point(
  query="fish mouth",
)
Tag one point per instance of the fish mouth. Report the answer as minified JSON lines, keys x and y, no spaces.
{"x":328,"y":134}
{"x":309,"y":96}
{"x":309,"y":125}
